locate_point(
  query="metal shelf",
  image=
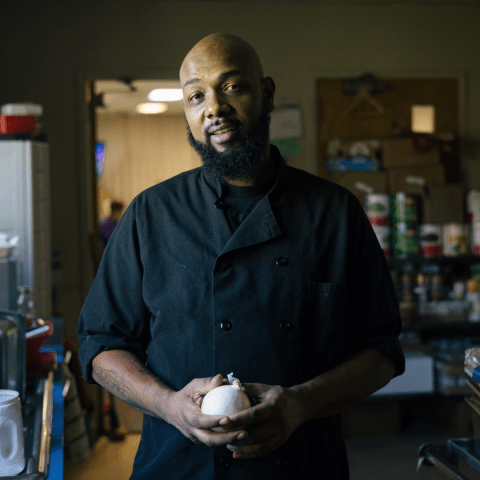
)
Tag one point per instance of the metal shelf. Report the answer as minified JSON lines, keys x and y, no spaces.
{"x":468,"y":258}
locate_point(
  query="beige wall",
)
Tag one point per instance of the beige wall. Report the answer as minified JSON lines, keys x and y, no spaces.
{"x":142,"y":151}
{"x":50,"y":47}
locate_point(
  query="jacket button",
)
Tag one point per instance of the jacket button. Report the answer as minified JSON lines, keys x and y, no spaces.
{"x":227,"y":262}
{"x":226,"y":325}
{"x":286,"y":326}
{"x":219,"y":204}
{"x":283,"y":462}
{"x":224,"y":462}
{"x":283,"y":262}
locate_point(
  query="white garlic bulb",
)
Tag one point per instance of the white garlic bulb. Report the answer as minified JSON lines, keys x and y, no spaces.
{"x":226,"y":400}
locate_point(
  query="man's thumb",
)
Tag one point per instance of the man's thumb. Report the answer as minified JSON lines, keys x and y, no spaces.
{"x":216,"y":381}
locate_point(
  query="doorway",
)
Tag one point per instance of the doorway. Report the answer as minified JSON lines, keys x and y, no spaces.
{"x":132,"y":151}
{"x":135,"y":151}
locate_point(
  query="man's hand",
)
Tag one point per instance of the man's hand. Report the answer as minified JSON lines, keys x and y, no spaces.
{"x":270,"y":423}
{"x":184,"y":412}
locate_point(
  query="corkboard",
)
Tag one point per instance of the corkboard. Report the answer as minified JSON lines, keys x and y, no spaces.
{"x":364,"y":121}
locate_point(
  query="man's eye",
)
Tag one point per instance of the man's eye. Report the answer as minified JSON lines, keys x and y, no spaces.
{"x":195,"y":96}
{"x":235,"y":87}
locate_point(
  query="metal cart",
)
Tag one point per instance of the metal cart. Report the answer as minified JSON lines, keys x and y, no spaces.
{"x":447,"y":457}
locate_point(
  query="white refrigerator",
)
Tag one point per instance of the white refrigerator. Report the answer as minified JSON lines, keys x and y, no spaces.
{"x":25,"y":211}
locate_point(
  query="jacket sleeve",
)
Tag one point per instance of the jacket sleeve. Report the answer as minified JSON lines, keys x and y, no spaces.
{"x":373,"y":316}
{"x":114,"y":315}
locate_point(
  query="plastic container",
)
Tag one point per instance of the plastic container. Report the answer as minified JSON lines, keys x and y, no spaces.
{"x":17,"y":124}
{"x":12,"y":453}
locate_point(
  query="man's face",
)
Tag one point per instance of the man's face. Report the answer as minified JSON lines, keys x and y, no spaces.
{"x":220,"y":93}
{"x":227,"y":112}
{"x":241,"y":162}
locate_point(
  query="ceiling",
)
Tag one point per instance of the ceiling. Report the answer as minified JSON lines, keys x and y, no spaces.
{"x":118,"y":97}
{"x":358,"y":2}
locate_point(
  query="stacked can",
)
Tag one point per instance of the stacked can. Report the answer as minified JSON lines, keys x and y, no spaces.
{"x":455,"y":239}
{"x":476,"y":238}
{"x":431,"y":239}
{"x":377,"y":208}
{"x":473,"y":218}
{"x":404,"y":213}
{"x":473,"y":206}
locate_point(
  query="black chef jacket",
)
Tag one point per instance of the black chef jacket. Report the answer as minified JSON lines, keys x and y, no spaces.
{"x":300,"y":285}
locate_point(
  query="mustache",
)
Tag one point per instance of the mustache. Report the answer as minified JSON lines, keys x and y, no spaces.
{"x":219,"y":125}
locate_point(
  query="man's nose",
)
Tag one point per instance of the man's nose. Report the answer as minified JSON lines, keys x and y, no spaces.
{"x":217,"y":105}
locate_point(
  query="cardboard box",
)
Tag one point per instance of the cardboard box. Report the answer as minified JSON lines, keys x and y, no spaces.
{"x":451,"y":416}
{"x":397,"y":178}
{"x":401,"y":152}
{"x":352,"y":180}
{"x":444,"y":204}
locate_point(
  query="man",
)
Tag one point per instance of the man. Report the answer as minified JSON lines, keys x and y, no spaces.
{"x":243,"y":265}
{"x":108,"y":224}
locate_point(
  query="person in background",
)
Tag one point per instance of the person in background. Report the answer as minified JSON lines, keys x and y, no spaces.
{"x":107,"y":225}
{"x":243,"y":265}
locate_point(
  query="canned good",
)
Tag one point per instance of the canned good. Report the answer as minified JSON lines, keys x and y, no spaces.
{"x":430,"y":239}
{"x":383,"y":237}
{"x":404,"y":207}
{"x":455,"y":239}
{"x":405,"y":239}
{"x":377,"y":207}
{"x":476,"y":237}
{"x":473,"y":206}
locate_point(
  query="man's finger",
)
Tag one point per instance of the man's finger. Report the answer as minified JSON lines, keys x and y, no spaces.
{"x":216,"y":439}
{"x":251,"y":415}
{"x":253,"y":389}
{"x":209,"y":421}
{"x":215,"y":382}
{"x":255,"y":448}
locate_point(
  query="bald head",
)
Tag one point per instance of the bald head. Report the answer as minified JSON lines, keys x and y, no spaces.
{"x":227,"y":103}
{"x":221,"y":47}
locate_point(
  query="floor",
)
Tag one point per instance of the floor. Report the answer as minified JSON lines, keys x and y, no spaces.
{"x":392,"y":457}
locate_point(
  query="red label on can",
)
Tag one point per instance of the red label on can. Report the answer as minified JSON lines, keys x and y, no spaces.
{"x":431,"y":250}
{"x":378,"y":221}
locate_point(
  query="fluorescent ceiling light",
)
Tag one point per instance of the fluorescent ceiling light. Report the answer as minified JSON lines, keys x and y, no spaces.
{"x":166,"y":95}
{"x":151,"y":108}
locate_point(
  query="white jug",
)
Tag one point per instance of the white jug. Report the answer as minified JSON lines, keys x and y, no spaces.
{"x":12,"y":456}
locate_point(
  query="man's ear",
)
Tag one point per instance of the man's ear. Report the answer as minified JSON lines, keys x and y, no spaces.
{"x":268,"y":87}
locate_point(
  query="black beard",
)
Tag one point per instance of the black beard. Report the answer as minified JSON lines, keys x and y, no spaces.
{"x":236,"y":163}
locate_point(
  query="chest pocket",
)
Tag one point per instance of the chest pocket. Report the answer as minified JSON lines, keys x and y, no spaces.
{"x":327,"y":323}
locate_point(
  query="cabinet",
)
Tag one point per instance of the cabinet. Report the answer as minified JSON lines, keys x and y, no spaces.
{"x":25,"y":211}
